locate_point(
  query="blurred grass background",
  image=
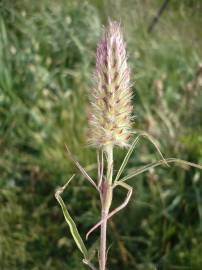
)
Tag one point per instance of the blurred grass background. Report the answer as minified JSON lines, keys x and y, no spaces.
{"x":47,"y":57}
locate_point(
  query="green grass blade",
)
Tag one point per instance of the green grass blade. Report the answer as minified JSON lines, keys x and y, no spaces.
{"x":125,"y":161}
{"x":81,"y":169}
{"x":158,"y":163}
{"x":70,"y":221}
{"x":146,"y":135}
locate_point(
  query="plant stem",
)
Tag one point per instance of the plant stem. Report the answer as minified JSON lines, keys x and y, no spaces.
{"x":106,"y":199}
{"x":103,"y":231}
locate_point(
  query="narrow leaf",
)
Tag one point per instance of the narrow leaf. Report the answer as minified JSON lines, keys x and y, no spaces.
{"x":81,"y":169}
{"x":158,"y":163}
{"x":153,"y":142}
{"x":125,"y":161}
{"x":116,"y":210}
{"x":70,"y":221}
{"x":91,"y":266}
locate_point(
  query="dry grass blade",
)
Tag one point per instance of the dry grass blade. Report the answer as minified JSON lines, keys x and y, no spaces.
{"x":125,"y":161}
{"x":81,"y":169}
{"x":129,"y":153}
{"x":116,"y":210}
{"x":100,"y":163}
{"x":158,"y":163}
{"x":152,"y":141}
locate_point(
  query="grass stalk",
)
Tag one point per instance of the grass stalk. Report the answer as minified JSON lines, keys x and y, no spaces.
{"x":106,"y":199}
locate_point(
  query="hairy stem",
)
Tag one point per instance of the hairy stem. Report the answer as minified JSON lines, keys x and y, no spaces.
{"x":106,"y":199}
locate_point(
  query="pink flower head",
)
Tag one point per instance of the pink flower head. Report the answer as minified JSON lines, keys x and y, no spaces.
{"x":110,"y":119}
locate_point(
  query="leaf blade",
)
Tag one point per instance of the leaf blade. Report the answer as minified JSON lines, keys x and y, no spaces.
{"x":72,"y":226}
{"x":158,"y":163}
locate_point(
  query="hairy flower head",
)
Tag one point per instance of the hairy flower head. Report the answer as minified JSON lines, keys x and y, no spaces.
{"x":110,"y":115}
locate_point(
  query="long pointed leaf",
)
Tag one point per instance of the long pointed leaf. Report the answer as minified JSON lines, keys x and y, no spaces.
{"x":158,"y":163}
{"x":82,"y":170}
{"x":141,"y":134}
{"x":124,"y":163}
{"x":116,"y":210}
{"x":152,"y":141}
{"x":70,"y":221}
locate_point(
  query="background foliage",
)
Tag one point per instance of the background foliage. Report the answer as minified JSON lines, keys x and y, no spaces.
{"x":47,"y":56}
